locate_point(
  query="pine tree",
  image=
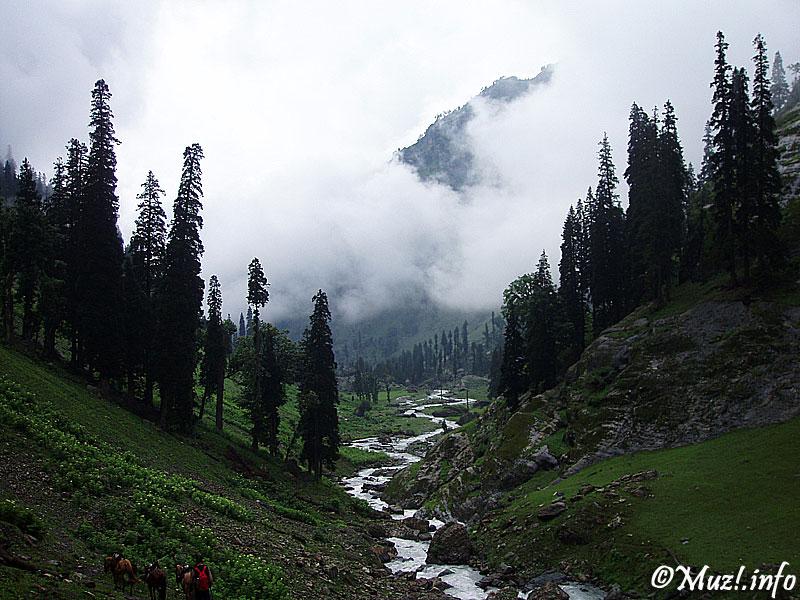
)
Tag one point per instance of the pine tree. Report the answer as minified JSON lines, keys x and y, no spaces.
{"x":180,"y":298}
{"x":667,"y":230}
{"x":543,"y":321}
{"x":779,"y":89}
{"x":52,"y":300}
{"x":29,"y":249}
{"x":766,"y":178}
{"x":257,"y":298}
{"x":147,"y":249}
{"x":606,"y":239}
{"x":215,"y":352}
{"x":723,"y":164}
{"x":272,"y":390}
{"x":98,"y":280}
{"x":319,"y":421}
{"x":742,"y":138}
{"x":242,"y":327}
{"x":570,"y":285}
{"x":77,"y":156}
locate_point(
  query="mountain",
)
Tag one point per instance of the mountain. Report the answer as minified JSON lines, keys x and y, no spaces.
{"x":442,"y":153}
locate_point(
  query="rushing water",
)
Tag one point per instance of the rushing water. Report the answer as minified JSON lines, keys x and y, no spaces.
{"x":411,"y":554}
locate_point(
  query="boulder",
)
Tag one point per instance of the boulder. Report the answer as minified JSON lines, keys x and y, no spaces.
{"x":385,"y":551}
{"x":506,"y":593}
{"x":549,"y":591}
{"x":450,"y":545}
{"x":519,"y":472}
{"x":417,"y":524}
{"x":544,"y":460}
{"x":551,"y":511}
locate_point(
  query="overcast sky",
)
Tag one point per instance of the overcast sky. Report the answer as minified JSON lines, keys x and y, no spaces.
{"x":300,"y":105}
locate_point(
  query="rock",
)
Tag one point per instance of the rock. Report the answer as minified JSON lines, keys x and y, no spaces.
{"x":394,"y":509}
{"x":545,"y":460}
{"x":551,"y":511}
{"x":425,"y":537}
{"x":506,"y":593}
{"x":377,"y":531}
{"x":549,"y":591}
{"x":415,"y":523}
{"x":615,"y":593}
{"x":450,"y":545}
{"x":385,"y":551}
{"x":519,"y":472}
{"x":567,"y":535}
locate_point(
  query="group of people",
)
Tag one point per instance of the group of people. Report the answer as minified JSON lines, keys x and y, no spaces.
{"x":195,"y":581}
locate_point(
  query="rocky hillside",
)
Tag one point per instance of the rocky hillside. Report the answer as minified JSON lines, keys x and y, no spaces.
{"x":789,"y":131}
{"x":442,"y":153}
{"x":711,"y":361}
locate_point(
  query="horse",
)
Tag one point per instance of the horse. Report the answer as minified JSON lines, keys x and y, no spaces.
{"x":156,"y":581}
{"x":120,"y":569}
{"x":184,"y":577}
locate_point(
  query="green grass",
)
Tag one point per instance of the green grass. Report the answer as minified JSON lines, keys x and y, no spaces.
{"x":383,"y":417}
{"x":726,"y":502}
{"x":115,"y":482}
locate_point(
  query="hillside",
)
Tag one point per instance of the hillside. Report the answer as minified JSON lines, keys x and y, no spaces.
{"x":442,"y":153}
{"x":676,"y":424}
{"x":81,"y":477}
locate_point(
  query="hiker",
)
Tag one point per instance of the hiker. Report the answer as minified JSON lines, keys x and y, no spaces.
{"x":203,"y":580}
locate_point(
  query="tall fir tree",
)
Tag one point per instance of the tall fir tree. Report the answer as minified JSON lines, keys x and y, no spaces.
{"x":147,"y":250}
{"x":30,"y":237}
{"x":606,"y":239}
{"x":215,"y":352}
{"x":779,"y":87}
{"x":742,"y":137}
{"x":723,"y":164}
{"x":570,"y":285}
{"x":98,"y":281}
{"x":77,"y":157}
{"x":767,"y":249}
{"x":180,"y":298}
{"x":319,"y":419}
{"x":257,"y":298}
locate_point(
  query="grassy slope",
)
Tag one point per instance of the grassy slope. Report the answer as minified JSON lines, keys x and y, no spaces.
{"x":726,"y":502}
{"x":205,"y":505}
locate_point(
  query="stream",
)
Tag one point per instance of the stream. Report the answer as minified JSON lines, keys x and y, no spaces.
{"x":411,"y":554}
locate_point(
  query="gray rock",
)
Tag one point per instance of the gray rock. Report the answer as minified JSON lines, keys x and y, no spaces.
{"x":551,"y":511}
{"x":450,"y":545}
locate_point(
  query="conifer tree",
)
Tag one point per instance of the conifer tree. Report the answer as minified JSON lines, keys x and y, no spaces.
{"x":242,"y":328}
{"x":98,"y":279}
{"x":779,"y":88}
{"x":52,"y":300}
{"x":570,"y":285}
{"x":215,"y":351}
{"x":29,"y":250}
{"x":273,"y":389}
{"x":180,"y":298}
{"x":764,"y":168}
{"x":77,"y":156}
{"x":742,"y":136}
{"x":257,"y":297}
{"x":319,"y":420}
{"x":147,"y":249}
{"x":723,"y":164}
{"x":606,"y":238}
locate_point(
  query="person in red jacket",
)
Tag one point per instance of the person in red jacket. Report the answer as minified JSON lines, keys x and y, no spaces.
{"x":203,"y":580}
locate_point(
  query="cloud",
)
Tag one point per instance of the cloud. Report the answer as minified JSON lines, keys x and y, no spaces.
{"x":299,"y":107}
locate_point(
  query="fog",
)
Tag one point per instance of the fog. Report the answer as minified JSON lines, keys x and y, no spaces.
{"x":300,"y":106}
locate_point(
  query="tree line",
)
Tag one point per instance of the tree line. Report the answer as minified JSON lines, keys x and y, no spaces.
{"x":678,"y":226}
{"x":131,"y":317}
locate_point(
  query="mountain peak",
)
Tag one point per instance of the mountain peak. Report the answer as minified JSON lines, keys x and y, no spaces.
{"x":441,"y":154}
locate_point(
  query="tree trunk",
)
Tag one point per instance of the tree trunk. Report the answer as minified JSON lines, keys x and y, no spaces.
{"x":220,"y":396}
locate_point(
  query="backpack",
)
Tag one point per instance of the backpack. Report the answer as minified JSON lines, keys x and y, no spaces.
{"x":201,"y":575}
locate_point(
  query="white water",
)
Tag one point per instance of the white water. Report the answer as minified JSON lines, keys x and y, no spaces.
{"x":411,"y":554}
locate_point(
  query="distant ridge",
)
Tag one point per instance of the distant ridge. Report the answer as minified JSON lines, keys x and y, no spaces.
{"x":441,"y":154}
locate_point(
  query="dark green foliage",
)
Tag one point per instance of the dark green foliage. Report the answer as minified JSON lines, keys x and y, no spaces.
{"x":319,"y":421}
{"x":779,"y":88}
{"x":180,"y":298}
{"x":98,"y":264}
{"x":257,"y":297}
{"x":146,"y":269}
{"x":569,"y":291}
{"x":215,"y":352}
{"x":606,"y":245}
